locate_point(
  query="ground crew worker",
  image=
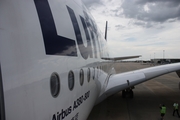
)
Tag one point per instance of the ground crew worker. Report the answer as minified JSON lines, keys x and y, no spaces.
{"x":176,"y":105}
{"x":162,"y":111}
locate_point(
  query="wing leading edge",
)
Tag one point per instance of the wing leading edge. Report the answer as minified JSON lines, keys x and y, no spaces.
{"x":119,"y":82}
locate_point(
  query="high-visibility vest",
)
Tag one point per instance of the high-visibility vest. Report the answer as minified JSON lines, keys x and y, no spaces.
{"x":163,"y":110}
{"x":176,"y":105}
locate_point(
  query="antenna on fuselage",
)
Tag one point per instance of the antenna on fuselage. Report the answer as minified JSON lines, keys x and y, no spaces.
{"x":106,"y":31}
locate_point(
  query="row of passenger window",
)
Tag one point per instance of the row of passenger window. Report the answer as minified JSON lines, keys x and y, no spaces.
{"x":55,"y":80}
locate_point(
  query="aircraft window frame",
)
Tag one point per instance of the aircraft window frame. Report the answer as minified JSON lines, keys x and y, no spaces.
{"x":88,"y":74}
{"x":71,"y":80}
{"x":55,"y":84}
{"x":93,"y":73}
{"x":81,"y":77}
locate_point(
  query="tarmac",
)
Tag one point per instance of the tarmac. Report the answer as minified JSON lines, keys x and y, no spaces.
{"x":147,"y":98}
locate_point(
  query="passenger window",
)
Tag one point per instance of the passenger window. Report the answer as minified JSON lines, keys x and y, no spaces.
{"x":81,"y":77}
{"x":88,"y":74}
{"x":54,"y":84}
{"x":71,"y":80}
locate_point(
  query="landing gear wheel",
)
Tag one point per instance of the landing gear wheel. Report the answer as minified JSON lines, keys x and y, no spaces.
{"x":123,"y":94}
{"x":131,"y":94}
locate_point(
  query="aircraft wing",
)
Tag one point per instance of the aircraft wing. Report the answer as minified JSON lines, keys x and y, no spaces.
{"x":118,"y":82}
{"x":121,"y":58}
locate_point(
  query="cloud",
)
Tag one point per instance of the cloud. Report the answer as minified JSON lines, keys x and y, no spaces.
{"x":90,"y":3}
{"x":148,"y":13}
{"x":119,"y":27}
{"x":145,"y":13}
{"x":151,"y":10}
{"x":170,"y":3}
{"x":153,"y":44}
{"x":139,"y":26}
{"x":143,"y":24}
{"x":131,"y":39}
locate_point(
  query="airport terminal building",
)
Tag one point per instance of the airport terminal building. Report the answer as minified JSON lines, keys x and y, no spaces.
{"x":165,"y":61}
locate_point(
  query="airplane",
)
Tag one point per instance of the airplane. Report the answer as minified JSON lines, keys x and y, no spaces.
{"x":54,"y":62}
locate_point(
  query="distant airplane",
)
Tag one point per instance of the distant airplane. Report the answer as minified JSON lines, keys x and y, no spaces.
{"x":54,"y":63}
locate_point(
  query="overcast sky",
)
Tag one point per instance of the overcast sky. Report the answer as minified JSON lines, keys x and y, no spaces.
{"x":139,"y":27}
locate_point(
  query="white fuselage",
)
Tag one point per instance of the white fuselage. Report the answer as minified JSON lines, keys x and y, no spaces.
{"x":27,"y":64}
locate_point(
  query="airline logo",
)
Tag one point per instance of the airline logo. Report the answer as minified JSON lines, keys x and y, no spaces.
{"x":59,"y":45}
